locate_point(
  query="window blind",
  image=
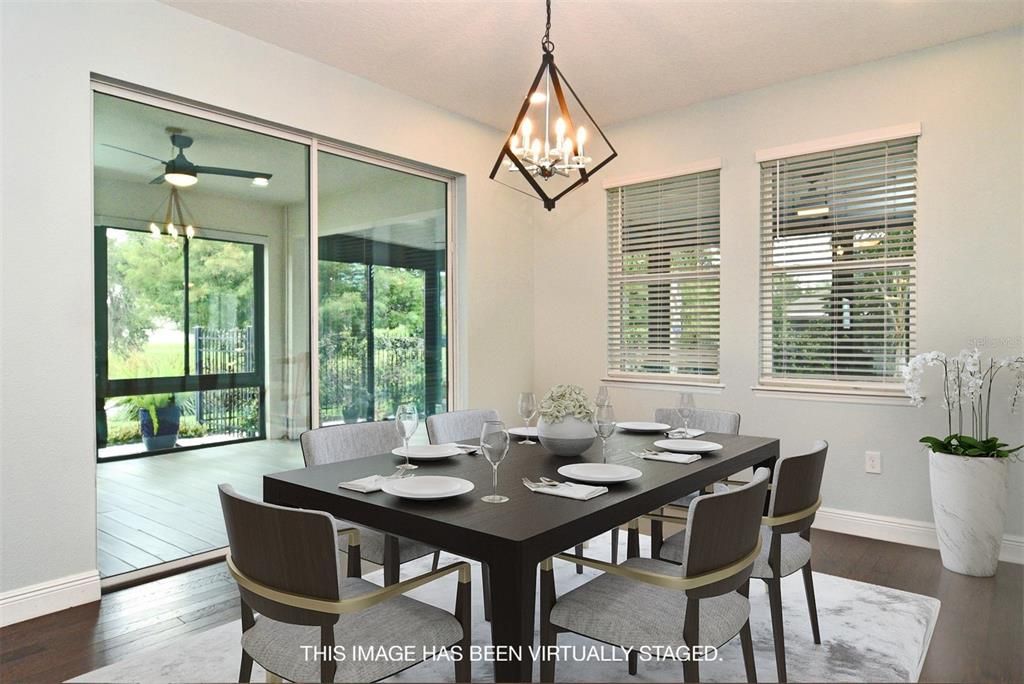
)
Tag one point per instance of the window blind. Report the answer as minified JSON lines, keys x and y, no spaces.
{"x":838,"y":264}
{"x":663,"y":277}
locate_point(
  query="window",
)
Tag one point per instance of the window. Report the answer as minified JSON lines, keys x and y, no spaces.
{"x":663,"y":278}
{"x":837,"y":264}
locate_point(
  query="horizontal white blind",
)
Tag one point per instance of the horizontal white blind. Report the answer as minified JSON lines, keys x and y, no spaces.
{"x":663,"y":277}
{"x":838,"y":263}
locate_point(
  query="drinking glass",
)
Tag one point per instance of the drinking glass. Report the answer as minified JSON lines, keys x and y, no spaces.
{"x":527,"y":410}
{"x":407,"y":419}
{"x":602,"y":396}
{"x":604,"y":426}
{"x":686,"y":409}
{"x":494,"y":442}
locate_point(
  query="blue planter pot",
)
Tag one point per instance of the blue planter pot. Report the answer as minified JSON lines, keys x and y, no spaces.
{"x":166,"y":436}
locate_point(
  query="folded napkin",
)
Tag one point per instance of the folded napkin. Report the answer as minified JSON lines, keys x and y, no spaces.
{"x":580,"y":492}
{"x":680,"y":433}
{"x":370,"y":483}
{"x":671,"y":457}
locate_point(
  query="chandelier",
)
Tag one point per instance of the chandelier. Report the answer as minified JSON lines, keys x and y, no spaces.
{"x":174,"y":221}
{"x":561,"y":149}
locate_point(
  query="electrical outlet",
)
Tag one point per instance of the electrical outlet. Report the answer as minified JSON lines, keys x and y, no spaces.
{"x":873,"y":462}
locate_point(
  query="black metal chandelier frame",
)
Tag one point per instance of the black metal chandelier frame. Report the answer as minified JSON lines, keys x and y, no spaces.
{"x":557,"y":79}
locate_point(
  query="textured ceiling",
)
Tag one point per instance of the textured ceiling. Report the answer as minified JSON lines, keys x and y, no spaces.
{"x":626,"y":59}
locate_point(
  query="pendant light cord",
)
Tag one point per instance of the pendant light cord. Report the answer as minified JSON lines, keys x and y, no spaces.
{"x":546,"y":43}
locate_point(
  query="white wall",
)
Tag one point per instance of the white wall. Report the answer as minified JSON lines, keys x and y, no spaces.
{"x":47,"y":472}
{"x":967,"y":96}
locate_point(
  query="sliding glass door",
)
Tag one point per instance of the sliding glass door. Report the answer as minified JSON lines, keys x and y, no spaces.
{"x":382,"y":270}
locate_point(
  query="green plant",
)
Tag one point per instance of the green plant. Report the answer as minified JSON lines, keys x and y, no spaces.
{"x":962,"y":445}
{"x":129,"y":432}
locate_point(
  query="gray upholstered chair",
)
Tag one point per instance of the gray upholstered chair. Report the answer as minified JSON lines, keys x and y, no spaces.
{"x":458,"y":426}
{"x":644,"y":602}
{"x":285,"y":561}
{"x":344,"y":442}
{"x":786,"y":538}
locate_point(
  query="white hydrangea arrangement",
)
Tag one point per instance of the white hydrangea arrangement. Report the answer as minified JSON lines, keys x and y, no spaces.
{"x":967,"y":396}
{"x":565,"y":400}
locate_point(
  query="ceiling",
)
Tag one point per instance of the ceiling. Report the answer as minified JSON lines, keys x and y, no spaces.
{"x":626,"y":58}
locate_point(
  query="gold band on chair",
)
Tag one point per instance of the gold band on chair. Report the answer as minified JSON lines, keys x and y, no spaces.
{"x":776,"y":520}
{"x":668,"y":581}
{"x":341,"y":606}
{"x":352,"y":534}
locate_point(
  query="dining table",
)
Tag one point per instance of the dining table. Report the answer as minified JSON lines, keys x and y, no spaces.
{"x":513,"y":538}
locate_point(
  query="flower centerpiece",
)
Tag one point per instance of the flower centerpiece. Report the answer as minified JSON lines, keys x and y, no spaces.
{"x":968,"y":468}
{"x":565,"y":427}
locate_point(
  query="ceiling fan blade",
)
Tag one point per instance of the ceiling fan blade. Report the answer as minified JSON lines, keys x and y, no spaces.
{"x":158,"y":180}
{"x":237,"y":173}
{"x":125,"y":149}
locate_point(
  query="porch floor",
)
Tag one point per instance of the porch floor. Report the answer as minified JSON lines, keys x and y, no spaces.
{"x":162,"y":508}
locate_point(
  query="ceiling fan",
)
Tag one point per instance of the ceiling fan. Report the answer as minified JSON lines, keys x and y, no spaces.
{"x":182,"y":173}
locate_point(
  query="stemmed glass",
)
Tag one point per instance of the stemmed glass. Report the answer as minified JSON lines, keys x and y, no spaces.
{"x":527,"y":410}
{"x":686,"y":409}
{"x":602,"y":396}
{"x":407,"y":419}
{"x":494,"y":441}
{"x":604,"y":426}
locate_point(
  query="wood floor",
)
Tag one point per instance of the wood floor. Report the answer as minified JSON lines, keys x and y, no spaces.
{"x":978,"y":636}
{"x":162,"y":508}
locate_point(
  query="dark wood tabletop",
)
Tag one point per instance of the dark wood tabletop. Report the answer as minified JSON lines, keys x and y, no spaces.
{"x":513,"y":537}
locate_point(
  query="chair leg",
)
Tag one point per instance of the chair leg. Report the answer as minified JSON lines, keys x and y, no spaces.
{"x":691,"y":671}
{"x":579,"y":552}
{"x":548,"y":632}
{"x":463,"y":612}
{"x":437,"y":560}
{"x":657,"y":537}
{"x":634,"y":658}
{"x":746,"y":641}
{"x":485,"y":584}
{"x":633,"y":540}
{"x":691,"y":635}
{"x":615,"y":546}
{"x":273,"y":678}
{"x":391,"y":560}
{"x":812,"y":606}
{"x":775,"y":599}
{"x":245,"y":671}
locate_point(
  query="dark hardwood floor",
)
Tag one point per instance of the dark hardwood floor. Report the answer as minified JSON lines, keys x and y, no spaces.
{"x":978,"y":637}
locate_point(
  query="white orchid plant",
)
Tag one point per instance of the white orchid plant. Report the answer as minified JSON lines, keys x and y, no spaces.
{"x":565,"y":400}
{"x":967,"y":398}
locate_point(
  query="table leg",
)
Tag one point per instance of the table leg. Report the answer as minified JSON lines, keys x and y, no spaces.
{"x":513,"y":602}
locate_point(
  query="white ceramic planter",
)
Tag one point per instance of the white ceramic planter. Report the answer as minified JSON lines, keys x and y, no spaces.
{"x":568,"y":437}
{"x":969,"y":503}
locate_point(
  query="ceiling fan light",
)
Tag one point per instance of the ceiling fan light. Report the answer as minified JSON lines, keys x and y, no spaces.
{"x":181,"y":180}
{"x":260,"y":182}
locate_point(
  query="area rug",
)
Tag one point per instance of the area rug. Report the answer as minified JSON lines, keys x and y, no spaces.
{"x":869,"y":633}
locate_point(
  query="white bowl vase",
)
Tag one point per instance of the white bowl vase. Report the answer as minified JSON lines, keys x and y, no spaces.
{"x":568,"y":437}
{"x":969,"y":504}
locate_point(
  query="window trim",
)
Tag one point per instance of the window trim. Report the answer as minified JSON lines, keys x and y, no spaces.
{"x":838,"y":142}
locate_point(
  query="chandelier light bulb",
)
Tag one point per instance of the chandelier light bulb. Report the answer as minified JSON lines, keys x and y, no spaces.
{"x":560,"y":130}
{"x":581,"y":137}
{"x":172,"y":230}
{"x":538,"y":97}
{"x":566,"y":151}
{"x":535,"y":148}
{"x":190,"y":231}
{"x":154,"y":229}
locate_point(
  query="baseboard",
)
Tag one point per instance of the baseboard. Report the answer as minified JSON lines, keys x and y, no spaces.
{"x":49,"y":597}
{"x":900,"y":530}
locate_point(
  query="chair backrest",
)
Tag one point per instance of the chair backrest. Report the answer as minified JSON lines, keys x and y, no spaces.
{"x":723,"y":528}
{"x":344,"y":442}
{"x":457,"y":426}
{"x":797,"y":485}
{"x":709,"y":420}
{"x":288,"y":549}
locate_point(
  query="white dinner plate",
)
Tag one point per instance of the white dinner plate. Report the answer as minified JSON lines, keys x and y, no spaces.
{"x":643,"y":427}
{"x":601,"y":473}
{"x":523,"y":431}
{"x":688,"y":446}
{"x":427,"y":487}
{"x":427,"y":452}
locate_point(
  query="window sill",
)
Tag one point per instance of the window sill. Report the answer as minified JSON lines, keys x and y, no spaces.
{"x":665,"y":384}
{"x":839,"y":394}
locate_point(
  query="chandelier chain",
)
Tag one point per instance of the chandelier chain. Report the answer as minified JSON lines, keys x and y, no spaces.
{"x":546,"y":43}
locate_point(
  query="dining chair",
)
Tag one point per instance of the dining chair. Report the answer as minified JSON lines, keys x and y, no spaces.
{"x":709,"y":420}
{"x":786,"y":538}
{"x":458,"y":426}
{"x":646,"y":602}
{"x":357,"y":440}
{"x":294,"y":599}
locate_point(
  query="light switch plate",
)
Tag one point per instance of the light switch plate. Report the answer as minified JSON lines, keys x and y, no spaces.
{"x":873,"y":462}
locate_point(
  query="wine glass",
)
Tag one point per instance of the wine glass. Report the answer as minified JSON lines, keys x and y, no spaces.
{"x":527,"y":410}
{"x":407,"y":419}
{"x":494,"y":442}
{"x":602,"y":396}
{"x":686,"y":409}
{"x":604,"y":426}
